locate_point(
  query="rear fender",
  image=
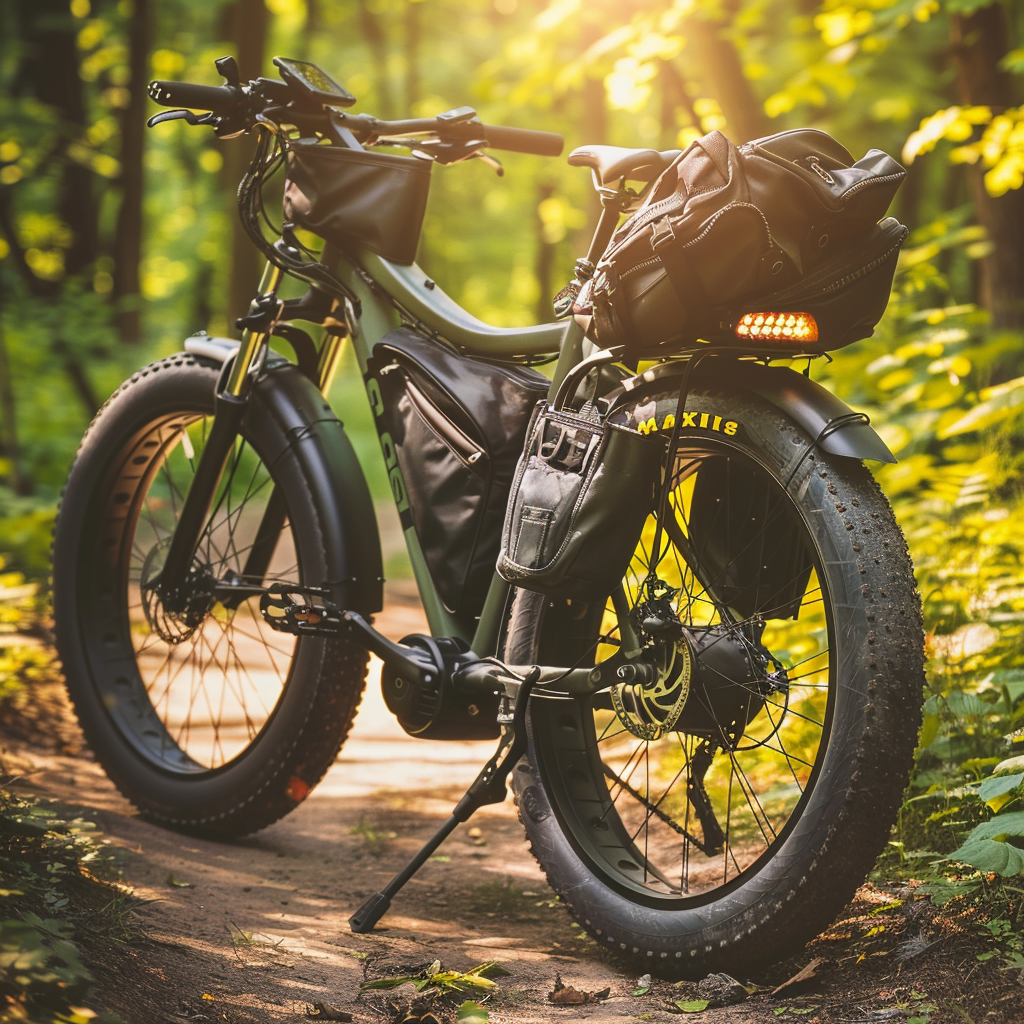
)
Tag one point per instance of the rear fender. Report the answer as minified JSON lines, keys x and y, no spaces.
{"x":835,"y":427}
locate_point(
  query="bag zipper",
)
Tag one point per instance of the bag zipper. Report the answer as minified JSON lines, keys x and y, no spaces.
{"x":461,"y":446}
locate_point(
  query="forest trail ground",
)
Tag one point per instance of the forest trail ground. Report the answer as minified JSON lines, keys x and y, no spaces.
{"x":256,"y":930}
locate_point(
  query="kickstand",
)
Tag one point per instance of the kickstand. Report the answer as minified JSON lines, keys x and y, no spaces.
{"x":487,"y":788}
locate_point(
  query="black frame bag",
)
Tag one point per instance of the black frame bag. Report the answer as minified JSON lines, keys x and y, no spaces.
{"x":726,"y":224}
{"x":581,"y":494}
{"x":456,"y":427}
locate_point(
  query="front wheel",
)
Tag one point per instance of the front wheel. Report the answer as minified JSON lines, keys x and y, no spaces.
{"x":205,"y":718}
{"x":717,"y":809}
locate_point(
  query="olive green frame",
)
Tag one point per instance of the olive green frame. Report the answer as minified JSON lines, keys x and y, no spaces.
{"x":390,"y":295}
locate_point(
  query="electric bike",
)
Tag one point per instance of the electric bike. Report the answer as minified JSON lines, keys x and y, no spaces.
{"x":707,"y":754}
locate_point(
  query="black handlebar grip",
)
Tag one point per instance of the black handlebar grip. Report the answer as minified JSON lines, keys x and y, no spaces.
{"x":524,"y":140}
{"x":216,"y":98}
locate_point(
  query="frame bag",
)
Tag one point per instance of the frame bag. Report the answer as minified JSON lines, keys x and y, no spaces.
{"x":455,"y":427}
{"x":727,"y":224}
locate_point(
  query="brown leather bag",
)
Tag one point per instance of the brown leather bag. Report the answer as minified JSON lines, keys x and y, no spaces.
{"x":726,"y":224}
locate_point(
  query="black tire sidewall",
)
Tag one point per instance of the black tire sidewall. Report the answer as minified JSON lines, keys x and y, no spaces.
{"x":207,"y":801}
{"x":862,"y":775}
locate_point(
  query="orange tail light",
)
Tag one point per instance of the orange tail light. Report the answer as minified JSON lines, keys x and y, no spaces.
{"x":777,"y":327}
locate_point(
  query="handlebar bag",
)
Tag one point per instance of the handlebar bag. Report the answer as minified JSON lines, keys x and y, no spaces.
{"x":453,"y":427}
{"x":727,"y":223}
{"x":352,"y":196}
{"x":581,"y":494}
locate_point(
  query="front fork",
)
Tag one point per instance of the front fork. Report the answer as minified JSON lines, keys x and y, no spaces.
{"x":231,"y":403}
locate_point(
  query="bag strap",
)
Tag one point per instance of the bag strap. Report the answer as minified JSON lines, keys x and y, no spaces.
{"x":680,"y":272}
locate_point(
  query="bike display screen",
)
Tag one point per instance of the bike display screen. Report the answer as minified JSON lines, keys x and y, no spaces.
{"x":315,"y":81}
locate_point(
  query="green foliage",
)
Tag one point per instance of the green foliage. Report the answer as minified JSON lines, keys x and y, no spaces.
{"x":435,"y":978}
{"x":43,"y":857}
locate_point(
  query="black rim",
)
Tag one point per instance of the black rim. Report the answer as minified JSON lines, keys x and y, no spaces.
{"x":189,"y":693}
{"x":633,"y":797}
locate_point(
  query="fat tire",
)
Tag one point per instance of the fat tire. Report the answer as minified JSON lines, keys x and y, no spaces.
{"x":844,"y":827}
{"x":326,"y":677}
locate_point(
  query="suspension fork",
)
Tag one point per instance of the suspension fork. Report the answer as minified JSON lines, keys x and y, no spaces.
{"x":230,"y":406}
{"x":274,"y":515}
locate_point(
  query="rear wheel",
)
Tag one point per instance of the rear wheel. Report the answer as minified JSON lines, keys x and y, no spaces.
{"x":202,"y":715}
{"x":718,"y":809}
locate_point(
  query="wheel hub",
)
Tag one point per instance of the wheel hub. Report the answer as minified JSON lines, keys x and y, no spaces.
{"x":196,"y":598}
{"x":710,"y":681}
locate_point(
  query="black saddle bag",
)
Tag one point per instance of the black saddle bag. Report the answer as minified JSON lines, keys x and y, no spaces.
{"x":582,"y":492}
{"x":726,"y":225}
{"x":455,"y":426}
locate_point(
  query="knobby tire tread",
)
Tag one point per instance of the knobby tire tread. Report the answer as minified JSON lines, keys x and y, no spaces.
{"x":876,"y":766}
{"x":314,"y":744}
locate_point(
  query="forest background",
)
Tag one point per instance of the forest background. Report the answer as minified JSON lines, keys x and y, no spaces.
{"x":117,"y":242}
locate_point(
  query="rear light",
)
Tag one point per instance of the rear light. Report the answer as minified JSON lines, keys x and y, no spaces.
{"x":778,"y":327}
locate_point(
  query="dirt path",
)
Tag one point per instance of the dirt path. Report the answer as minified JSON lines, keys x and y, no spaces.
{"x":256,"y":930}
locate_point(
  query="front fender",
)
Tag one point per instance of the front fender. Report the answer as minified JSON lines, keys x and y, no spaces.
{"x":316,"y":437}
{"x":829,"y":420}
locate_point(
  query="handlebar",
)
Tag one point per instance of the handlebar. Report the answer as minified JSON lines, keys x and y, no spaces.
{"x":216,"y":98}
{"x":228,"y":99}
{"x":523,"y":140}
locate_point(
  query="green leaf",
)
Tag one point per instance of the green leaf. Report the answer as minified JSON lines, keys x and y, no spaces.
{"x":991,"y":855}
{"x":472,"y":1013}
{"x":692,"y":1005}
{"x":998,"y":786}
{"x":1001,"y":825}
{"x":389,"y":982}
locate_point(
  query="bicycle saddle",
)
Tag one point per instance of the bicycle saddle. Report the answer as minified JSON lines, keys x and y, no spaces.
{"x":610,"y":163}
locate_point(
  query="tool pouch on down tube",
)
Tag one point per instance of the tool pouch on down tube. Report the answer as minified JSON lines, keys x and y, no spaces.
{"x":581,"y":494}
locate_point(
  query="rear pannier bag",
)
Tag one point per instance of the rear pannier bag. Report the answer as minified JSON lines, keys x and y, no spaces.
{"x":581,"y":494}
{"x":456,"y":426}
{"x":351,"y":196}
{"x":726,"y":224}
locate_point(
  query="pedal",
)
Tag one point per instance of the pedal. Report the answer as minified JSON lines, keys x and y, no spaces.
{"x":301,"y":611}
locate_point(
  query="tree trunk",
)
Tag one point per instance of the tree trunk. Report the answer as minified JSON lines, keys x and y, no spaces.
{"x":980,"y":40}
{"x":246,"y":27}
{"x":412,"y":57}
{"x":49,"y":73}
{"x":723,"y":70}
{"x":544,"y":260}
{"x":376,"y":39}
{"x":10,"y":448}
{"x":128,"y":239}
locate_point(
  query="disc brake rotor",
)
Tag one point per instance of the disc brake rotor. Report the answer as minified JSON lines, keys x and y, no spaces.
{"x":174,"y":627}
{"x":650,"y":710}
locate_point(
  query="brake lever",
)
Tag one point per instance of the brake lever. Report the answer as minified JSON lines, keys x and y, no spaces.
{"x":181,"y":115}
{"x":491,"y":162}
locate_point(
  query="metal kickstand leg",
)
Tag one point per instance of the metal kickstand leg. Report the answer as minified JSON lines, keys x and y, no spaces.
{"x":487,"y":788}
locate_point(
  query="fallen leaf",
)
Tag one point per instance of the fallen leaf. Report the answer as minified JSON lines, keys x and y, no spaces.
{"x":692,"y":1005}
{"x":566,"y":995}
{"x":324,"y":1011}
{"x":471,"y":1012}
{"x":643,"y":986}
{"x":805,"y":974}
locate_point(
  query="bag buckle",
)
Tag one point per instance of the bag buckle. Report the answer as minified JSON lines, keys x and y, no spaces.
{"x":662,"y":233}
{"x":569,"y":451}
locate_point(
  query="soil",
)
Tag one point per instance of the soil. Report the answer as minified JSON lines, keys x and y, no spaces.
{"x":256,"y":930}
